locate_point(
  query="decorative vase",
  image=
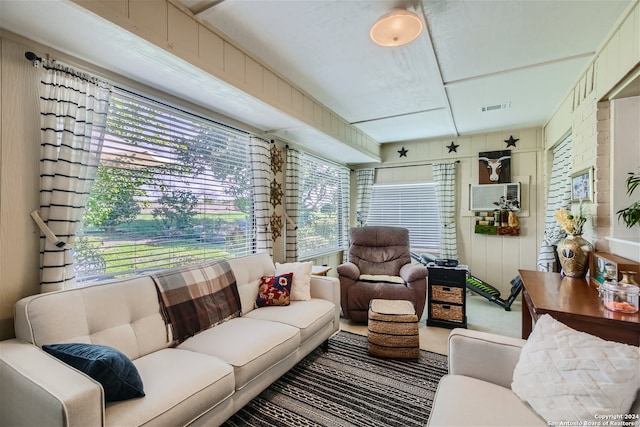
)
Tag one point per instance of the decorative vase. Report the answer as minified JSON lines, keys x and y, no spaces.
{"x":513,"y":219}
{"x":628,"y":278}
{"x":573,"y":252}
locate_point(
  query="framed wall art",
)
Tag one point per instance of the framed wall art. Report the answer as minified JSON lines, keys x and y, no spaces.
{"x":582,"y":185}
{"x":494,"y":167}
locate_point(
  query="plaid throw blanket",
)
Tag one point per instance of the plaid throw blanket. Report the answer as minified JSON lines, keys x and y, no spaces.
{"x":196,"y":297}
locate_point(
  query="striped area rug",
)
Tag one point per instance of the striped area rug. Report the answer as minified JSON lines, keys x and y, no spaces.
{"x":347,"y":387}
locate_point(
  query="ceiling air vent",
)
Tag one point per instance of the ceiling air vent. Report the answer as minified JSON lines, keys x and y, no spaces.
{"x":497,"y":107}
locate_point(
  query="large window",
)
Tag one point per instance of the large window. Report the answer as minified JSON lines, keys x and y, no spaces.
{"x":323,"y":206}
{"x":172,"y":189}
{"x":413,"y":206}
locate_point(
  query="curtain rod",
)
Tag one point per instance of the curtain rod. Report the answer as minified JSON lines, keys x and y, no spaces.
{"x":411,"y":166}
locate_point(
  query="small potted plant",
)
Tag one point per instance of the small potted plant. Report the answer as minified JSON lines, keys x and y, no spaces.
{"x":631,"y":214}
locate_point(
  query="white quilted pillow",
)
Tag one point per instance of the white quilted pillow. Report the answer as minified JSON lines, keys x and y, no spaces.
{"x":566,"y":375}
{"x":301,"y":286}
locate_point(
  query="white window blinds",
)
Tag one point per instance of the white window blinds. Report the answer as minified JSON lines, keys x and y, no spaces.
{"x":172,"y":189}
{"x":323,"y":206}
{"x":412,"y":206}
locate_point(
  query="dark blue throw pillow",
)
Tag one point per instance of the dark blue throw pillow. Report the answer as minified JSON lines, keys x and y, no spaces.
{"x":117,"y":374}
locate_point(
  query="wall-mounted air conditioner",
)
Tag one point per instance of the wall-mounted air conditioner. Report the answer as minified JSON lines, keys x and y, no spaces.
{"x":483,"y":197}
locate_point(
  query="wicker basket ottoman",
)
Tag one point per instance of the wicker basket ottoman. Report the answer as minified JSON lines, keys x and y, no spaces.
{"x":393,"y":329}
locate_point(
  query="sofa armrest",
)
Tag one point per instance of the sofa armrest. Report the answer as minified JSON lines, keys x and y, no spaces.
{"x":328,"y":288}
{"x":485,"y":356}
{"x":38,"y":389}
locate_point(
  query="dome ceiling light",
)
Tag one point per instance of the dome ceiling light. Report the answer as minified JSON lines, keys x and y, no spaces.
{"x":396,"y":28}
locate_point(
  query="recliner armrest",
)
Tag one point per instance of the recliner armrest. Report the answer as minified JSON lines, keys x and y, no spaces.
{"x":412,"y":272}
{"x":485,"y":356}
{"x":38,"y":389}
{"x":350,"y":270}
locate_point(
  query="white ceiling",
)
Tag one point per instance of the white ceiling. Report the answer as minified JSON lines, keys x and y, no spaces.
{"x":473,"y":53}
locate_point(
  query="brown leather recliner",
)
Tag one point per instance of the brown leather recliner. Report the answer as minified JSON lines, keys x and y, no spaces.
{"x":379,"y":267}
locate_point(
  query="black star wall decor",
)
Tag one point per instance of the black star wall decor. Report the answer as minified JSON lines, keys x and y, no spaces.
{"x":403,"y":152}
{"x":511,"y":142}
{"x":453,"y":148}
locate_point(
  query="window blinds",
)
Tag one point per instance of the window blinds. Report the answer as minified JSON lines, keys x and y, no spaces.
{"x":412,"y":206}
{"x":172,"y":189}
{"x":323,"y":206}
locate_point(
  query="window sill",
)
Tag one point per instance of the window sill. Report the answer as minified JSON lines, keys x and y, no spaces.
{"x":314,"y":256}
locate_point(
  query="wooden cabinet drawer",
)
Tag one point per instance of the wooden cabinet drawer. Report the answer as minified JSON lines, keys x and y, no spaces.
{"x":447,"y":294}
{"x":447,"y":276}
{"x":452,"y":313}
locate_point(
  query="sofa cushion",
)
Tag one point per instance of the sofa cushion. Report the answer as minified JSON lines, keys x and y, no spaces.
{"x":465,"y":401}
{"x":248,"y":271}
{"x":569,"y":375}
{"x":180,"y":385}
{"x":301,"y":286}
{"x":308,"y":316}
{"x":251,"y":346}
{"x":124,"y":314}
{"x":274,"y":290}
{"x":112,"y":369}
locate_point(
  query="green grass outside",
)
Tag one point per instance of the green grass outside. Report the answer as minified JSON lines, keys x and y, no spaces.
{"x":144,"y":244}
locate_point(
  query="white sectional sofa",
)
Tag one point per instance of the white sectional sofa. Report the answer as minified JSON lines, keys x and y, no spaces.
{"x":202,"y":381}
{"x":478,"y":389}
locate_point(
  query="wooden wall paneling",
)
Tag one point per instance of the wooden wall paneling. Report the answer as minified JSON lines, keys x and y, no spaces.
{"x":297,"y":102}
{"x":234,"y":64}
{"x":254,"y":76}
{"x":211,"y":51}
{"x":270,"y":84}
{"x":182,"y":32}
{"x":150,"y":16}
{"x":284,"y":94}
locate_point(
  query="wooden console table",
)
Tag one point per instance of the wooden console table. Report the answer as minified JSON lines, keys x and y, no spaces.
{"x":576,"y":304}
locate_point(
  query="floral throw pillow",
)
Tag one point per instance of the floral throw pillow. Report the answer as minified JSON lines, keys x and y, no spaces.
{"x":274,"y":290}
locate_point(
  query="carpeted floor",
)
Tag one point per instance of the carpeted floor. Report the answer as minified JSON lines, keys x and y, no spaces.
{"x":345,"y":386}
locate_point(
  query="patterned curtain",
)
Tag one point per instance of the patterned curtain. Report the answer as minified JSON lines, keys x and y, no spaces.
{"x":559,"y":197}
{"x":444,"y":175}
{"x":261,"y":169}
{"x":73,"y":115}
{"x":364,"y":181}
{"x":344,"y":209}
{"x":291,"y":203}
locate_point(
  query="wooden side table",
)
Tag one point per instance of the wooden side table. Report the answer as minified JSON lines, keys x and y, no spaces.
{"x":320,"y":270}
{"x":576,"y":304}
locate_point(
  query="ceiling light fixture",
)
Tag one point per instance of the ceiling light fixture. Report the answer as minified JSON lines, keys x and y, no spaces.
{"x":396,"y":28}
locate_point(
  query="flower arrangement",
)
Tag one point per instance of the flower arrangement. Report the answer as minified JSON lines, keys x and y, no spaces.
{"x":572,"y":224}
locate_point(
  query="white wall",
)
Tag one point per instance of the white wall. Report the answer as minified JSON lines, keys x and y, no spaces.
{"x":586,"y":112}
{"x":19,"y":180}
{"x":626,"y":158}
